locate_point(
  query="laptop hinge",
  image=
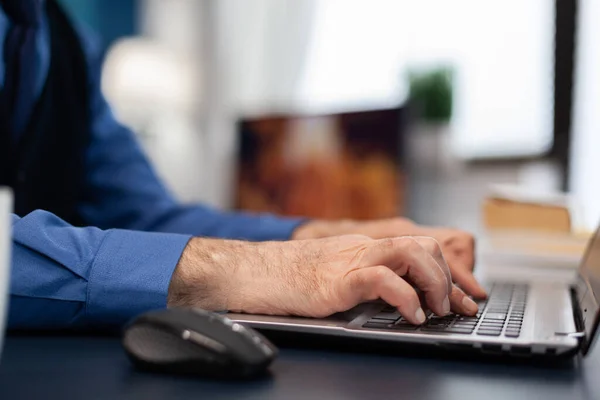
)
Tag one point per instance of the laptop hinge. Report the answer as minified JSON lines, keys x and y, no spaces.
{"x":577,"y":314}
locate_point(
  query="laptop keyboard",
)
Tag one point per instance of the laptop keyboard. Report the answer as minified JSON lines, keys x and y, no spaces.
{"x":501,"y":313}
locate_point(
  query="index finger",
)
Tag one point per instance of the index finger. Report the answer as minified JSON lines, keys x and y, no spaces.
{"x":465,"y":279}
{"x":434,"y":249}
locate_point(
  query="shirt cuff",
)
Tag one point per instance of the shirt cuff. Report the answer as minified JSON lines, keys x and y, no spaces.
{"x":261,"y":227}
{"x":131,"y":275}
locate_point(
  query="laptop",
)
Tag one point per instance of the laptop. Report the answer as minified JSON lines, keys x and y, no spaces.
{"x":5,"y":229}
{"x":528,"y":319}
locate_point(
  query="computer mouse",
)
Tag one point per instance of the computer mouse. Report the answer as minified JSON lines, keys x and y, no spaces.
{"x":196,"y":342}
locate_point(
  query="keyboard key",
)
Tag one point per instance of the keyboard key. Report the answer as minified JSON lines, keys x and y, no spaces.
{"x":435,"y":318}
{"x":376,"y":325}
{"x":496,"y":316}
{"x":393,"y":316}
{"x":467,"y":319}
{"x":437,"y":322}
{"x":488,"y":329}
{"x":437,"y":328}
{"x":404,"y":327}
{"x":465,"y":323}
{"x":489,"y":333}
{"x":490,"y":326}
{"x":458,"y":330}
{"x":492,"y":322}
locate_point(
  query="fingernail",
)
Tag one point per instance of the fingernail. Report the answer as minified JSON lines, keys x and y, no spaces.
{"x":469,"y":305}
{"x":446,"y":306}
{"x":420,"y":315}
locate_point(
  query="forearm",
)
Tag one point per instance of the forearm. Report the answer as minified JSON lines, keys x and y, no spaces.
{"x":231,"y":275}
{"x":325,"y":228}
{"x":200,"y":220}
{"x":65,"y":277}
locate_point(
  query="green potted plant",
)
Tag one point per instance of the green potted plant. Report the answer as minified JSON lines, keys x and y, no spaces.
{"x":430,"y":97}
{"x":430,"y":92}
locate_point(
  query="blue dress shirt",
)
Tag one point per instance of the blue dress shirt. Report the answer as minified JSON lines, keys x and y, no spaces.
{"x":121,"y":265}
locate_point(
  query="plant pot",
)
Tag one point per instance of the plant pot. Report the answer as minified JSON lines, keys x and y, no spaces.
{"x":429,"y":147}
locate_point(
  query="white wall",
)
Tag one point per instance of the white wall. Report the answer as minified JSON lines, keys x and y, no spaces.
{"x":249,"y":55}
{"x":502,"y":52}
{"x":154,"y":86}
{"x":585,"y":172}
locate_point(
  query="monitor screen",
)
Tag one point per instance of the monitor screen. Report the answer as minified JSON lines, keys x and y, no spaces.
{"x":336,"y":166}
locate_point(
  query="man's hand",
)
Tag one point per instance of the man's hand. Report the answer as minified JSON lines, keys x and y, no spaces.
{"x":458,"y":246}
{"x":318,"y":277}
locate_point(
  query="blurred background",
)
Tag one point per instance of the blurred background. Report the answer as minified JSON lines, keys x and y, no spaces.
{"x":360,"y":108}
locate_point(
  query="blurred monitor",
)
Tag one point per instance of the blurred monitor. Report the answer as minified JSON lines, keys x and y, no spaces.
{"x":345,"y":165}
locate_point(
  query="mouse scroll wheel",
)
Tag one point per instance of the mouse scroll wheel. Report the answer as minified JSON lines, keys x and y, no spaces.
{"x":239,"y":328}
{"x":242,"y":329}
{"x":203,"y":341}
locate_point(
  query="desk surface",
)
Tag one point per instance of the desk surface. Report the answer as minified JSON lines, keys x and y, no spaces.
{"x":96,"y":368}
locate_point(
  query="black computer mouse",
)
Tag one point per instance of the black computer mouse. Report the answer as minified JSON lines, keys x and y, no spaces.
{"x":197,"y":342}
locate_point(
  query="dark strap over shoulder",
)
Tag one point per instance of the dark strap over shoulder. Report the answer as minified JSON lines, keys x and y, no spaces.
{"x":47,"y":168}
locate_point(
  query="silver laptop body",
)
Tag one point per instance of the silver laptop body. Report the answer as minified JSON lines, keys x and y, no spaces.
{"x":524,"y":319}
{"x":5,"y":243}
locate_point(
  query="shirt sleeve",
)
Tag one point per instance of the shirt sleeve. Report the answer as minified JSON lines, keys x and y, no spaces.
{"x":63,"y":276}
{"x":124,"y":191}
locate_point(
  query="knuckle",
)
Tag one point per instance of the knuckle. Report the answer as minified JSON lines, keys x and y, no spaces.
{"x":456,"y":292}
{"x":380,"y":274}
{"x":432,"y":246}
{"x":387,"y":243}
{"x":409,"y":244}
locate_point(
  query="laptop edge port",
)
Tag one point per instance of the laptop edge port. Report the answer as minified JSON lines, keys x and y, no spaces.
{"x":491,"y":348}
{"x":523,"y":351}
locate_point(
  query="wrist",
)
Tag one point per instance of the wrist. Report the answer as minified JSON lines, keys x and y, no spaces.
{"x":316,"y":229}
{"x":202,"y":274}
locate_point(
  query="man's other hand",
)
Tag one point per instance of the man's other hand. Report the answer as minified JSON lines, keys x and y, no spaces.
{"x":458,"y":246}
{"x":317,"y":277}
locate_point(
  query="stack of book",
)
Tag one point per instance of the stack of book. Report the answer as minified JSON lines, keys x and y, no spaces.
{"x":532,"y":228}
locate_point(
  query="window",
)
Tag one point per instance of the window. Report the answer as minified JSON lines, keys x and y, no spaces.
{"x":502,"y":53}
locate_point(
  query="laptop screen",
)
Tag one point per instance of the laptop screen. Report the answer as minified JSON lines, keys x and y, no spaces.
{"x":588,"y":290}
